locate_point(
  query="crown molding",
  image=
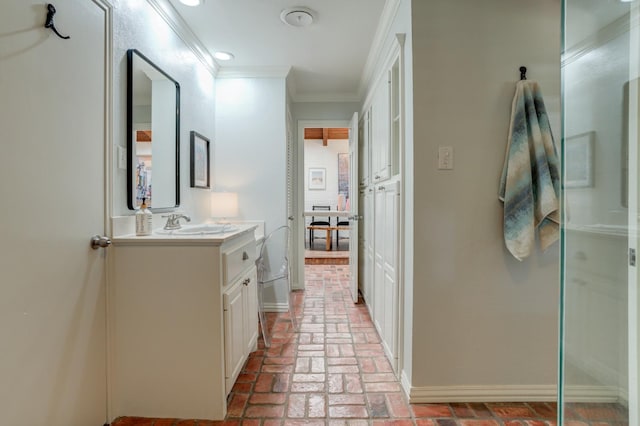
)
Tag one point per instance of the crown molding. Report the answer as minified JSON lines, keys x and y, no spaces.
{"x":326,"y":97}
{"x":182,"y":29}
{"x":389,"y":13}
{"x":253,"y":72}
{"x":598,"y":39}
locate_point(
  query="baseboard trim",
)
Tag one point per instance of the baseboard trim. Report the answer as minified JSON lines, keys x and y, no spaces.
{"x":276,"y":307}
{"x":405,"y":383}
{"x":507,"y":393}
{"x":579,"y":393}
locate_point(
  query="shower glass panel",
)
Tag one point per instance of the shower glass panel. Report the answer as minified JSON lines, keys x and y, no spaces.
{"x":599,"y":329}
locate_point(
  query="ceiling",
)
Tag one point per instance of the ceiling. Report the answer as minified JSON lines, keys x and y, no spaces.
{"x":327,"y":59}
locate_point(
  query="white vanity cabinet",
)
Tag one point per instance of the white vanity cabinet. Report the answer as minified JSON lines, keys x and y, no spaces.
{"x":240,"y":303}
{"x":182,"y":315}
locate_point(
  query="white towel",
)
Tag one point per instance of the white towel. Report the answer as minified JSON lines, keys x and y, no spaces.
{"x":530,"y":182}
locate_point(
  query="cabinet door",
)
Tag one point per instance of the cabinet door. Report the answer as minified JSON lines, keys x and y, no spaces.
{"x":234,"y":331}
{"x":385,"y":281}
{"x":380,"y":133}
{"x":368,"y":248}
{"x":250,"y":296}
{"x":378,"y":260}
{"x":390,"y":261}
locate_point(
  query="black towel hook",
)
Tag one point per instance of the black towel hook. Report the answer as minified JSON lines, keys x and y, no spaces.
{"x":49,"y":24}
{"x":523,"y":73}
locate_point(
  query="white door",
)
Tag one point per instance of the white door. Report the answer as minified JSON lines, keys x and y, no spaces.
{"x":52,"y":183}
{"x":353,"y":203}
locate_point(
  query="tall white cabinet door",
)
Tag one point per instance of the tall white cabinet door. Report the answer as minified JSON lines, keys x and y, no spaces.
{"x":390,"y":263}
{"x":368,"y":249}
{"x":385,"y":280}
{"x":52,"y":180}
{"x":380,"y":132}
{"x":378,"y":259}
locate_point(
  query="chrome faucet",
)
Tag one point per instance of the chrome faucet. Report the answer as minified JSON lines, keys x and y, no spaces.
{"x":173,"y":221}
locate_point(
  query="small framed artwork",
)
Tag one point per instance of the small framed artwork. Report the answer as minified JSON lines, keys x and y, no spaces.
{"x":200,"y":161}
{"x":579,"y":160}
{"x":317,"y":178}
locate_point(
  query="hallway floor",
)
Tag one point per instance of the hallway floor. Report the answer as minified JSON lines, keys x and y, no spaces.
{"x":334,"y":372}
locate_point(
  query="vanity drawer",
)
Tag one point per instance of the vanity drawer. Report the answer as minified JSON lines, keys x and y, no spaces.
{"x":236,"y":261}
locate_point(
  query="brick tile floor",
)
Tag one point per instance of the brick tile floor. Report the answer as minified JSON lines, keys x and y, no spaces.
{"x":333,"y":371}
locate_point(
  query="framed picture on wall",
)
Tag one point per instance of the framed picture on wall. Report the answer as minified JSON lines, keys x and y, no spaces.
{"x":317,"y":178}
{"x":200,"y":161}
{"x":579,"y":160}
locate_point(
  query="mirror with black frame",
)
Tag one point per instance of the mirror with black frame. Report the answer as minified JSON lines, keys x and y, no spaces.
{"x":153,"y":135}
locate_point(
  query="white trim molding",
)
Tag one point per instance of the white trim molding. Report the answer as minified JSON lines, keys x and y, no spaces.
{"x":501,"y":393}
{"x":583,"y":393}
{"x":377,"y":50}
{"x":254,"y":72}
{"x":327,"y":97}
{"x":405,"y":383}
{"x":598,"y":39}
{"x":186,"y":34}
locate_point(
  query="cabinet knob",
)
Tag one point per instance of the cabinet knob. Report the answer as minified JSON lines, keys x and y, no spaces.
{"x":245,"y":256}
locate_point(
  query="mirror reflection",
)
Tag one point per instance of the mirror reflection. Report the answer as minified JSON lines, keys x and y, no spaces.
{"x":153,"y":141}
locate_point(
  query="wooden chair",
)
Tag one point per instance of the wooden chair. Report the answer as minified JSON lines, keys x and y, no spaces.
{"x":340,"y":223}
{"x":320,"y":222}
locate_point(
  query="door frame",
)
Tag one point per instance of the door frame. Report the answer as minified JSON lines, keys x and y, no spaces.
{"x":298,"y":192}
{"x":109,"y":175}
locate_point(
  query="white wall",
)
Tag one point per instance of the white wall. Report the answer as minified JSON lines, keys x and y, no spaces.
{"x":250,"y":150}
{"x":486,"y":319}
{"x":317,"y":155}
{"x":137,"y":25}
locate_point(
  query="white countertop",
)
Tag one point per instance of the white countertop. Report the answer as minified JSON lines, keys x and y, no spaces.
{"x":160,"y":236}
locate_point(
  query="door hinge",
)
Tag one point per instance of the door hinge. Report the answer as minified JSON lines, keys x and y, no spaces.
{"x":632,"y":257}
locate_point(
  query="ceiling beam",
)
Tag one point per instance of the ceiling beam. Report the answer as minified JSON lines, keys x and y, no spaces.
{"x":326,"y":134}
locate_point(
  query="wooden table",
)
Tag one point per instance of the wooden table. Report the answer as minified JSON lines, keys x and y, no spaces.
{"x":325,"y":213}
{"x":328,"y":229}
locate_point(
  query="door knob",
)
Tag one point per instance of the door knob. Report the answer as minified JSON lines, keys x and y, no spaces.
{"x":98,"y":242}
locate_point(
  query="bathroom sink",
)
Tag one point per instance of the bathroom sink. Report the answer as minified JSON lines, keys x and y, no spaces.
{"x":202,"y":229}
{"x":205,"y":229}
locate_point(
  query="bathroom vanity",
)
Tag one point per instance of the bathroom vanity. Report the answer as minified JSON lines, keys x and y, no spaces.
{"x":183,"y":319}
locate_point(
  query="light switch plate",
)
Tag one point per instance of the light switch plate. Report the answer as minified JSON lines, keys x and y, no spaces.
{"x":445,"y":158}
{"x":121,"y":155}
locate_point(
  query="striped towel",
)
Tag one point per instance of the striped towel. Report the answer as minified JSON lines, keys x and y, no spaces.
{"x":529,"y":186}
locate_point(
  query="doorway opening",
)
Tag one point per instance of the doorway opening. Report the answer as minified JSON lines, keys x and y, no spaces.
{"x":326,"y":171}
{"x":326,"y":195}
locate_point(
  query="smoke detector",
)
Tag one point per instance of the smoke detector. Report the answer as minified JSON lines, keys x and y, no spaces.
{"x":297,"y":16}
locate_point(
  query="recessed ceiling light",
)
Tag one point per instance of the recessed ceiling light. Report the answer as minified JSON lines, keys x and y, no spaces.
{"x":297,"y":16}
{"x":192,"y":2}
{"x":223,"y":56}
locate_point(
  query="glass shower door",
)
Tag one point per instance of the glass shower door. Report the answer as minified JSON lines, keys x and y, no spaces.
{"x":598,"y":363}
